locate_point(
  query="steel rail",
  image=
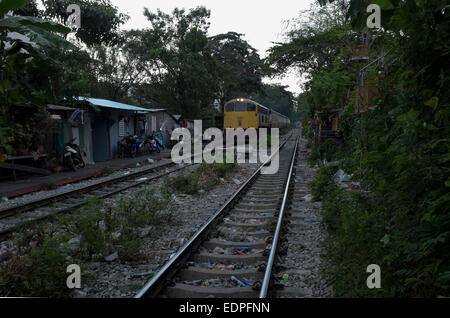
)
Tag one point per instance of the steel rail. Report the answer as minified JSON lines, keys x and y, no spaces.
{"x":33,"y":204}
{"x":75,"y":206}
{"x":84,"y":202}
{"x":156,"y":284}
{"x":273,"y":249}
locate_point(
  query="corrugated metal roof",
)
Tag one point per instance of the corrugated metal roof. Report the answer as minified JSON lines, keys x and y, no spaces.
{"x":110,"y":104}
{"x":57,"y":107}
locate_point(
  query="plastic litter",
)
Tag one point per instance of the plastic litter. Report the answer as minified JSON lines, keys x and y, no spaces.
{"x":150,"y":160}
{"x":195,"y":282}
{"x":143,"y":274}
{"x":142,"y":179}
{"x":285,"y":277}
{"x":237,"y":181}
{"x":225,"y":267}
{"x":243,"y":250}
{"x":240,"y":282}
{"x":341,"y":176}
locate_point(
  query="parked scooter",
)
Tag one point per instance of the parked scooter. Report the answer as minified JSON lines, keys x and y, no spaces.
{"x":72,"y":156}
{"x":159,"y":139}
{"x":154,"y":145}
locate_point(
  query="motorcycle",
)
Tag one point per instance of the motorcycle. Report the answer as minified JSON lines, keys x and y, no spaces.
{"x":132,"y":146}
{"x":72,"y":156}
{"x":159,"y":139}
{"x":154,"y":146}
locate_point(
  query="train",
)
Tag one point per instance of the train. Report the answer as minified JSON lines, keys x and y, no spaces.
{"x":246,"y":113}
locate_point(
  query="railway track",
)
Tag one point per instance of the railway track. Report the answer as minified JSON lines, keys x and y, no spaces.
{"x":233,"y":254}
{"x":69,"y":201}
{"x":47,"y":207}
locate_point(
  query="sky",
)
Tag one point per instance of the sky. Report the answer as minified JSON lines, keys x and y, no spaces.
{"x":262,"y":22}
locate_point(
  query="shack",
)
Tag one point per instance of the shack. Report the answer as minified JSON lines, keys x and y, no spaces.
{"x":110,"y":122}
{"x":160,"y":120}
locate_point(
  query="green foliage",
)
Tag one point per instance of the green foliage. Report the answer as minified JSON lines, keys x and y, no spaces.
{"x":321,"y":184}
{"x":205,"y":177}
{"x":45,"y":250}
{"x":41,"y":273}
{"x":399,"y":151}
{"x":100,"y":20}
{"x":276,"y":97}
{"x":176,"y":58}
{"x":31,"y":74}
{"x":239,"y":65}
{"x":7,"y":5}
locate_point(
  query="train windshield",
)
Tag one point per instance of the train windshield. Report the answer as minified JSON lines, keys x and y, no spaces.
{"x":251,"y":107}
{"x":229,"y":107}
{"x":240,"y":107}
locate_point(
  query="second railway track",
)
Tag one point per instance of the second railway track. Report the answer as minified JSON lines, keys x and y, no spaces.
{"x":69,"y":201}
{"x":233,"y":253}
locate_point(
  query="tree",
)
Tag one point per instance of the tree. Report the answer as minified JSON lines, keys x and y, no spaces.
{"x":279,"y":99}
{"x":399,"y":152}
{"x":114,"y":72}
{"x":31,"y":72}
{"x":100,"y":19}
{"x":317,"y":37}
{"x":240,"y":66}
{"x":180,"y":70}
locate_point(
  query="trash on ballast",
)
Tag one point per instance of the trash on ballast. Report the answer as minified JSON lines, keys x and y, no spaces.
{"x":138,"y":164}
{"x":197,"y":282}
{"x":102,"y":225}
{"x":341,"y":176}
{"x":225,"y":267}
{"x":201,"y":191}
{"x":126,"y":173}
{"x":145,"y":231}
{"x":285,"y":277}
{"x":218,"y":250}
{"x":142,"y":179}
{"x":209,"y":263}
{"x":237,"y":181}
{"x":143,"y":274}
{"x":243,"y":250}
{"x":240,"y":282}
{"x":150,"y":160}
{"x":112,"y":257}
{"x":173,"y":196}
{"x":354,"y":186}
{"x":308,"y":198}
